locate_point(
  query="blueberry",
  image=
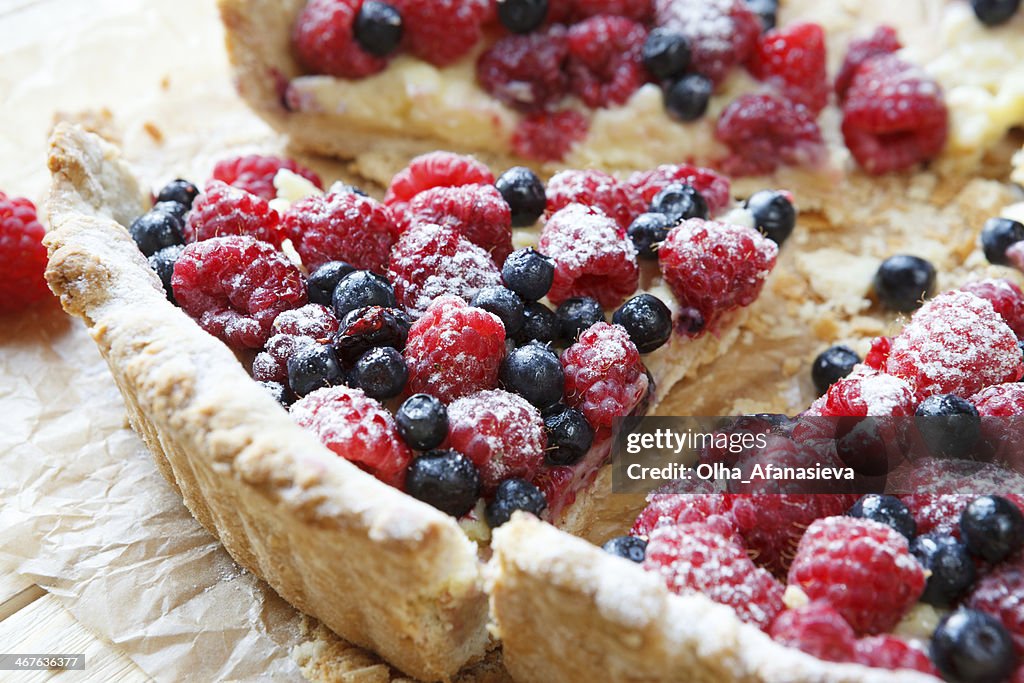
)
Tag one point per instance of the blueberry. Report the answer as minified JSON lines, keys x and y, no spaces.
{"x":997,"y":236}
{"x":687,"y":98}
{"x":534,"y":372}
{"x":181,"y":191}
{"x":163,"y":263}
{"x":969,"y":646}
{"x":279,"y":392}
{"x":648,"y":231}
{"x":831,"y":365}
{"x":949,"y":425}
{"x":524,"y":193}
{"x":995,"y":12}
{"x":903,"y":281}
{"x":155,"y":230}
{"x":339,"y":187}
{"x":366,"y":328}
{"x":888,"y":510}
{"x":362,"y":288}
{"x":381,"y":373}
{"x":539,"y":323}
{"x":951,"y":568}
{"x":679,"y":201}
{"x":323,"y":281}
{"x":522,"y":16}
{"x":992,"y":528}
{"x":512,"y":495}
{"x":647,"y":320}
{"x":176,"y":209}
{"x":766,"y":10}
{"x":666,"y":53}
{"x":448,"y":480}
{"x":774,"y":214}
{"x":690,"y":321}
{"x":378,"y":28}
{"x":570,"y":436}
{"x":503,"y":303}
{"x":629,"y":547}
{"x":422,"y":422}
{"x":314,"y":367}
{"x":528,"y":273}
{"x":576,"y":315}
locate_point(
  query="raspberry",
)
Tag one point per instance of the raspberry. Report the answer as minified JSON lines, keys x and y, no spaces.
{"x":604,"y":377}
{"x":817,"y":629}
{"x":722,"y":33}
{"x":863,"y":568}
{"x":1000,"y":400}
{"x":227,"y":210}
{"x":454,"y":350}
{"x":894,"y":116}
{"x":763,"y":131}
{"x":22,"y":255}
{"x":955,"y":344}
{"x":878,"y":354}
{"x":715,"y":267}
{"x":500,"y":432}
{"x":667,"y":509}
{"x":549,"y":136}
{"x":435,"y":169}
{"x":694,"y":558}
{"x":793,"y":59}
{"x":1001,"y":594}
{"x":431,"y":260}
{"x":342,"y":226}
{"x":713,"y":186}
{"x":882,"y":42}
{"x":357,"y":428}
{"x":591,"y":257}
{"x":1006,"y":297}
{"x":477,"y":212}
{"x":235,"y":287}
{"x":890,"y":652}
{"x":292,"y":330}
{"x":442,"y":31}
{"x":598,"y":190}
{"x":255,"y":173}
{"x":604,"y":60}
{"x":867,"y":392}
{"x":637,"y":10}
{"x":556,"y":483}
{"x":526,"y":72}
{"x":325,"y":42}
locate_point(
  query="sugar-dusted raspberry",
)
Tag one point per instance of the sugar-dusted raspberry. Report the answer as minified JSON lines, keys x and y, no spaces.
{"x":478,"y":212}
{"x":694,"y":558}
{"x":591,"y":256}
{"x":435,"y":169}
{"x":500,"y":432}
{"x":1006,"y":297}
{"x":890,"y":652}
{"x":1000,"y":400}
{"x":598,"y":190}
{"x":764,"y":131}
{"x":292,"y":330}
{"x":863,"y":568}
{"x":894,"y":115}
{"x":867,"y":392}
{"x":604,"y":60}
{"x":341,"y":226}
{"x":1001,"y":594}
{"x":549,"y":136}
{"x":878,"y":354}
{"x":604,"y":377}
{"x":526,"y":72}
{"x":637,"y":10}
{"x":882,"y":42}
{"x":235,"y":287}
{"x":713,"y":186}
{"x":255,"y":173}
{"x":793,"y":60}
{"x":722,"y":33}
{"x":817,"y":629}
{"x":227,"y":210}
{"x":715,"y":267}
{"x":669,"y":509}
{"x":431,"y":260}
{"x":442,"y":31}
{"x":955,"y":344}
{"x":357,"y":428}
{"x":454,"y":350}
{"x":22,"y":255}
{"x":325,"y":42}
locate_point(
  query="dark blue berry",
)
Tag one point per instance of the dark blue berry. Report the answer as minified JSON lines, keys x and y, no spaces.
{"x":687,"y":98}
{"x":503,"y":303}
{"x":576,"y":315}
{"x":992,"y":528}
{"x":766,"y":10}
{"x":522,"y":16}
{"x":378,"y":28}
{"x":512,"y":495}
{"x":534,"y":372}
{"x":177,"y":210}
{"x":690,"y":321}
{"x":903,"y":282}
{"x":155,"y":230}
{"x":647,"y":231}
{"x":630,"y":547}
{"x":528,"y":273}
{"x":422,"y":422}
{"x":666,"y":53}
{"x":181,"y":191}
{"x":949,"y":425}
{"x":163,"y":263}
{"x":570,"y":436}
{"x":951,"y":568}
{"x":995,"y":12}
{"x":774,"y":214}
{"x":524,"y":193}
{"x":647,"y":320}
{"x":381,"y":373}
{"x":969,"y":646}
{"x":279,"y":392}
{"x":313,"y":367}
{"x":888,"y":510}
{"x":998,"y":235}
{"x":679,"y":202}
{"x":448,"y":480}
{"x":362,"y":288}
{"x":340,"y":187}
{"x":539,"y":324}
{"x":367,"y":328}
{"x":831,"y":365}
{"x":324,"y":280}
